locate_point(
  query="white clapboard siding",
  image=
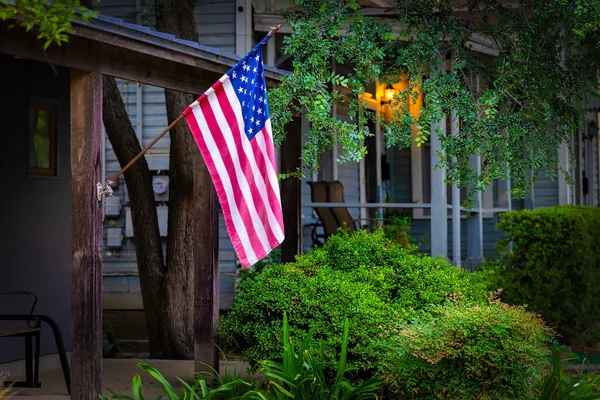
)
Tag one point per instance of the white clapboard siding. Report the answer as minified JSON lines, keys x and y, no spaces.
{"x":216,"y":23}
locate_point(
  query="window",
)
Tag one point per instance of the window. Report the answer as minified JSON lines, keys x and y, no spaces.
{"x":42,"y":138}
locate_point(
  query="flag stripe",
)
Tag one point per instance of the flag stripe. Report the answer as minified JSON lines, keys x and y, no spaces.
{"x":239,"y":237}
{"x":263,"y":195}
{"x":246,"y":209}
{"x":271,"y":177}
{"x":264,"y":141}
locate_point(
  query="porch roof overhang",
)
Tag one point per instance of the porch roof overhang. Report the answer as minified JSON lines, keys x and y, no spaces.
{"x":133,"y":52}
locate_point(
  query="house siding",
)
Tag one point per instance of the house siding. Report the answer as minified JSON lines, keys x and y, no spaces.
{"x":216,"y":23}
{"x":545,"y":190}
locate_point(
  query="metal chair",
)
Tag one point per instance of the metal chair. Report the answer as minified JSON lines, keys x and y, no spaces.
{"x":31,"y":335}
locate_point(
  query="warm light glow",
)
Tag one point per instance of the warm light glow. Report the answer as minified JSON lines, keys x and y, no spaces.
{"x":389,"y":94}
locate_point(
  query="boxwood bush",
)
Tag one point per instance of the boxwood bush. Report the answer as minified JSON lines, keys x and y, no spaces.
{"x":554,"y":267}
{"x":382,"y":289}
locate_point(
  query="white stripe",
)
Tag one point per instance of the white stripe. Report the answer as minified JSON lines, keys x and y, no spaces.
{"x":222,"y":172}
{"x":258,"y":177}
{"x":241,"y":178}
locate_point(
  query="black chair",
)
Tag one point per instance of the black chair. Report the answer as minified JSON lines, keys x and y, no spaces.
{"x":31,"y":334}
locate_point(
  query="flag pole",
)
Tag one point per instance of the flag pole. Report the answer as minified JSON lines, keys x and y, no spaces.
{"x":107,"y":189}
{"x":274,"y":30}
{"x":102,"y":189}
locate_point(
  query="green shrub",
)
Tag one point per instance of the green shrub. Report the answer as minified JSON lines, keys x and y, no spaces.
{"x":554,"y":268}
{"x":490,"y":351}
{"x":378,"y":286}
{"x":365,"y":278}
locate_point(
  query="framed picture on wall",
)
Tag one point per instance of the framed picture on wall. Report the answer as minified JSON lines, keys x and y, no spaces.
{"x":42,"y":137}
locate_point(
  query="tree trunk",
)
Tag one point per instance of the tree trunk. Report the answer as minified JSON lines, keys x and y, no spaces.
{"x":148,"y":247}
{"x":167,"y":288}
{"x":177,"y":17}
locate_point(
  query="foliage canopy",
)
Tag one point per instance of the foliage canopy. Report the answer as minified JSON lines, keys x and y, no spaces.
{"x":516,"y":104}
{"x":52,"y":19}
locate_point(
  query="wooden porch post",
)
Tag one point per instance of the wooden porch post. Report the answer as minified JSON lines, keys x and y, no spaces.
{"x":86,"y":279}
{"x":206,"y":270}
{"x":291,"y":192}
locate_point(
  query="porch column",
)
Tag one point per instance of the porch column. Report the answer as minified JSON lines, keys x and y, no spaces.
{"x":456,"y":251}
{"x":439,"y":197}
{"x":291,"y":191}
{"x":564,"y":189}
{"x":86,"y":278}
{"x":475,"y":224}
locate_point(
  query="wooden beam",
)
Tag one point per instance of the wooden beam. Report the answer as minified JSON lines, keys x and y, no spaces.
{"x":81,"y":53}
{"x":291,"y":192}
{"x":117,"y":56}
{"x":86,"y":280}
{"x":206,"y":273}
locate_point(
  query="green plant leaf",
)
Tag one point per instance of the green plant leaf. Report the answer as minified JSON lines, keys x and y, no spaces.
{"x":164,"y":384}
{"x":136,"y":387}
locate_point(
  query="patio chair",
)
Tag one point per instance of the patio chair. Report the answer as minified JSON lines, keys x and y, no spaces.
{"x":330,"y":218}
{"x":31,"y":334}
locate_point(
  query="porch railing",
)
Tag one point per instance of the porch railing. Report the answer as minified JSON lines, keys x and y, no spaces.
{"x":475,"y":241}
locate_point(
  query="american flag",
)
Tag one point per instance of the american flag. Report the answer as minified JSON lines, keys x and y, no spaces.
{"x":231,"y":125}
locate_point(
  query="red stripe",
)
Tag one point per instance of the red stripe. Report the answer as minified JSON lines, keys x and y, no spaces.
{"x":235,"y":239}
{"x":227,"y":157}
{"x":244,"y":161}
{"x":270,"y":147}
{"x":271,"y":194}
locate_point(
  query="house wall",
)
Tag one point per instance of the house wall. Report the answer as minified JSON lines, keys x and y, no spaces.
{"x":146,"y":108}
{"x":545,"y":191}
{"x":35,"y":212}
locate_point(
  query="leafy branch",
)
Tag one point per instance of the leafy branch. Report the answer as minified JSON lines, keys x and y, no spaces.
{"x":51,"y":19}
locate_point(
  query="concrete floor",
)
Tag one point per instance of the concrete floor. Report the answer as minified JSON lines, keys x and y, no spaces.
{"x":117,"y":375}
